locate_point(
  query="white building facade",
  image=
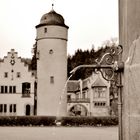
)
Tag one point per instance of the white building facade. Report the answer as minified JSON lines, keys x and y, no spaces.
{"x":16,"y":86}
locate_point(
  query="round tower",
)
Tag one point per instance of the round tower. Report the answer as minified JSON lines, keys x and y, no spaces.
{"x":52,"y":36}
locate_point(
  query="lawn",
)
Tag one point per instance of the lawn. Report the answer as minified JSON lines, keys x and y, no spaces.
{"x":58,"y":133}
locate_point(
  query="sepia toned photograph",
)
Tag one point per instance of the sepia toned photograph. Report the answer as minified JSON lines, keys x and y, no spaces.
{"x":69,"y":70}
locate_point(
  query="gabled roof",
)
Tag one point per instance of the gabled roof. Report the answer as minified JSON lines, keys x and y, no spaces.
{"x":99,"y":83}
{"x":12,"y":58}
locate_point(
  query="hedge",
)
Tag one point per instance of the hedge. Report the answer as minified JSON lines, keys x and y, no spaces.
{"x":27,"y":121}
{"x":51,"y":121}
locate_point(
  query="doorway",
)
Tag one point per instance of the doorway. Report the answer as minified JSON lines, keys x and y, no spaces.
{"x":28,"y":110}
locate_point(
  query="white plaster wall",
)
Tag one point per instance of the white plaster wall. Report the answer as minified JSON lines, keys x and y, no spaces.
{"x":52,"y":31}
{"x":100,"y":111}
{"x":19,"y":101}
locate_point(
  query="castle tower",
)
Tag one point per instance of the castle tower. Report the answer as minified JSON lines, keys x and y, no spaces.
{"x":51,"y":64}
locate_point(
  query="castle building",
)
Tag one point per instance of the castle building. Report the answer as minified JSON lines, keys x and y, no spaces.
{"x":89,"y":97}
{"x":43,"y":91}
{"x":16,"y":86}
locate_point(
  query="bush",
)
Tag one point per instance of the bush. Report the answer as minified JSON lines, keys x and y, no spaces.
{"x":90,"y":121}
{"x":51,"y":121}
{"x":27,"y":121}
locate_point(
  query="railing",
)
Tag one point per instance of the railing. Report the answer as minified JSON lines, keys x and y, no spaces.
{"x":78,"y":100}
{"x":26,"y":94}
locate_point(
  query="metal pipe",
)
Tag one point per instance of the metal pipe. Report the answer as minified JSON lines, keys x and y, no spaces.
{"x":120,"y":86}
{"x":115,"y":67}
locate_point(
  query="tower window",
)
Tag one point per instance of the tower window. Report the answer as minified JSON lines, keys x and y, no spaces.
{"x":51,"y":51}
{"x":6,"y":74}
{"x":45,"y":30}
{"x":52,"y":79}
{"x":18,"y":75}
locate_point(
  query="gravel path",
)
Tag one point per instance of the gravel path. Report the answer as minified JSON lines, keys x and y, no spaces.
{"x":58,"y":133}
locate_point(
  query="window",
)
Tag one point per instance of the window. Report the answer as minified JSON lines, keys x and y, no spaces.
{"x":33,"y":74}
{"x":5,"y":108}
{"x":14,"y":89}
{"x":45,"y":30}
{"x":15,"y":108}
{"x":12,"y":108}
{"x":100,"y":92}
{"x":84,"y":95}
{"x":1,"y":107}
{"x":68,"y":97}
{"x":99,"y":104}
{"x":26,"y":89}
{"x":10,"y":89}
{"x":2,"y":89}
{"x":5,"y":89}
{"x":52,"y":79}
{"x":18,"y":75}
{"x":51,"y":51}
{"x":6,"y":74}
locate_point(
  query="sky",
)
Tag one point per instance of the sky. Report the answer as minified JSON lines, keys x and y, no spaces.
{"x":91,"y":23}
